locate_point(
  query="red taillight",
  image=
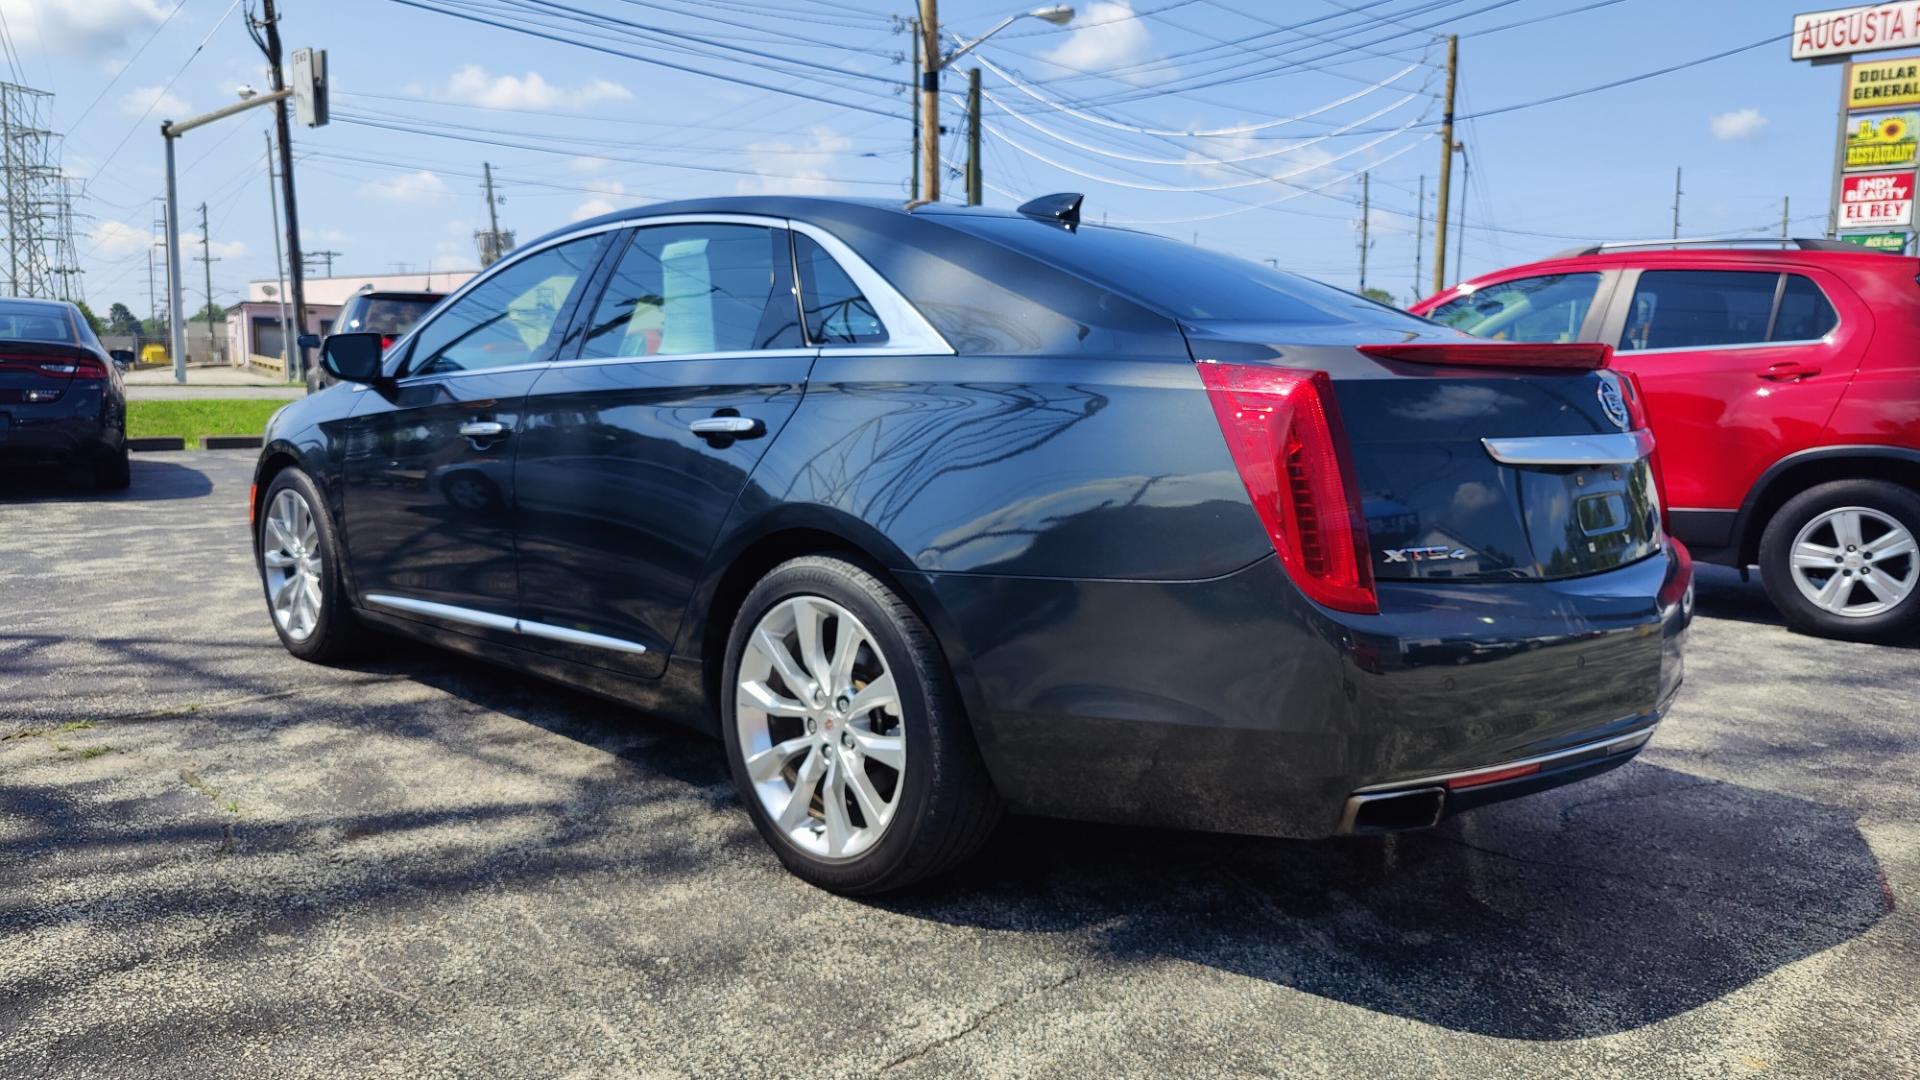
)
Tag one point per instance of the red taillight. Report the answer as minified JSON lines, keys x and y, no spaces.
{"x":1283,"y":429}
{"x":1577,"y":355}
{"x":1674,"y":589}
{"x":1637,"y":420}
{"x":87,"y":367}
{"x":386,"y":341}
{"x":1491,"y":776}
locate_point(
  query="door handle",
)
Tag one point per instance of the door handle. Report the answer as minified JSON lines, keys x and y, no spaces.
{"x":484,"y":429}
{"x":1787,"y":371}
{"x":734,"y":427}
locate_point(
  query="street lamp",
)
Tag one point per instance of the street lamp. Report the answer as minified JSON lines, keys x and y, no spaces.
{"x":1057,"y":14}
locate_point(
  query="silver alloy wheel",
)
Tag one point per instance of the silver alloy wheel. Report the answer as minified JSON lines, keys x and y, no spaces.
{"x":290,"y":558}
{"x":1855,"y":561}
{"x":820,"y":727}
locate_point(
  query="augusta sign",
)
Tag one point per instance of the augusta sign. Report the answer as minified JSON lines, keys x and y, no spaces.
{"x":1864,"y":28}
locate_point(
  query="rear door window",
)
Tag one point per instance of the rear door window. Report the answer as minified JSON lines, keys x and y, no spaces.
{"x":1699,"y":309}
{"x":1805,"y":314}
{"x":681,"y":290}
{"x":1547,"y":308}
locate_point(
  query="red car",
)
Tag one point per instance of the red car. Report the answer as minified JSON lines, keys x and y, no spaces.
{"x":1784,"y":393}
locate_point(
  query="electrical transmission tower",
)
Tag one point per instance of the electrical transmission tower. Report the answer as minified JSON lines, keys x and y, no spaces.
{"x":36,"y":199}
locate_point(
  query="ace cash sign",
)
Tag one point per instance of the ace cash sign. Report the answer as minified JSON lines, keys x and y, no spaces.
{"x":1876,"y":200}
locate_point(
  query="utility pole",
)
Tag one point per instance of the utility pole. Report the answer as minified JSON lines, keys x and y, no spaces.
{"x":1676,"y":202}
{"x":1446,"y":167}
{"x":1785,"y":202}
{"x":322,"y":257}
{"x":1460,"y":228}
{"x":918,"y":66}
{"x":176,"y":326}
{"x":1366,"y":237}
{"x":493,"y":212}
{"x":279,"y":271}
{"x":1419,"y":232}
{"x":974,"y":195}
{"x":206,"y":258}
{"x":930,"y":101}
{"x":283,"y":131}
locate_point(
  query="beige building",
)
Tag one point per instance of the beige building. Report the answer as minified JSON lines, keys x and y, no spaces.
{"x":253,"y":324}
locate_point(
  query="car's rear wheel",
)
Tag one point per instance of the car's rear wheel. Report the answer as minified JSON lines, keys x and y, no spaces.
{"x":300,"y":570}
{"x":113,"y":471}
{"x":1840,"y":559}
{"x":845,"y":739}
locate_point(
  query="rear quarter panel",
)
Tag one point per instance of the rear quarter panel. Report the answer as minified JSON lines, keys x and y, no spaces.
{"x":1881,"y":405}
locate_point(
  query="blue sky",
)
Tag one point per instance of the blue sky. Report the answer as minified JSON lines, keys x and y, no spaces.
{"x":590,"y":131}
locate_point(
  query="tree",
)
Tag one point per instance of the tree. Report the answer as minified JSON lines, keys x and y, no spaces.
{"x":120,"y":320}
{"x":1379,"y":295}
{"x":92,"y":319}
{"x":212,"y":313}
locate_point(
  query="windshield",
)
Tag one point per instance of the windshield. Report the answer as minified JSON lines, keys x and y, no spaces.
{"x":384,"y":315}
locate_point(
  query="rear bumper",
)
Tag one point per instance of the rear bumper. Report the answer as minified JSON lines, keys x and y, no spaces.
{"x":1233,"y":704}
{"x":75,"y":428}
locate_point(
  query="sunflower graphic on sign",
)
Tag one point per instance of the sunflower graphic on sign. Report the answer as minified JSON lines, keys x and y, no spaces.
{"x":1880,"y":140}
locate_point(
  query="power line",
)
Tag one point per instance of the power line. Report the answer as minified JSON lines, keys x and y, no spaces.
{"x":124,"y":68}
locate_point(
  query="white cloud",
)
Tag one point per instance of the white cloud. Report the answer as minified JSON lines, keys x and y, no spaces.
{"x":167,"y":104}
{"x":790,"y":169}
{"x":599,"y":204}
{"x":421,"y":186}
{"x":1107,"y":37}
{"x":81,"y":27}
{"x":113,"y":239}
{"x":226,"y":249}
{"x":471,"y":85}
{"x":589,"y":164}
{"x":1738,"y":124}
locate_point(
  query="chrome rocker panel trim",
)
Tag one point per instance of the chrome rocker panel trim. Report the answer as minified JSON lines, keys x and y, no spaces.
{"x":504,"y":623}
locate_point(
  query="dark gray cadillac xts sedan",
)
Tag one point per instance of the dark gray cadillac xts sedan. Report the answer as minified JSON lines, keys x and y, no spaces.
{"x":934,"y":512}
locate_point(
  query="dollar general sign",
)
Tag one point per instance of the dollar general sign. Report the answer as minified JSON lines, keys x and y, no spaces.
{"x":1883,"y":83}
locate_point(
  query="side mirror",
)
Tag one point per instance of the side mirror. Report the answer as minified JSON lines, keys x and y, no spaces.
{"x":352,"y":358}
{"x":308,"y":341}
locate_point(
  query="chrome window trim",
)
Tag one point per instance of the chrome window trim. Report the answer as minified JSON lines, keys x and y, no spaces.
{"x":908,"y":332}
{"x":736,"y":354}
{"x":1827,"y":340}
{"x":1624,"y":448}
{"x":507,"y":623}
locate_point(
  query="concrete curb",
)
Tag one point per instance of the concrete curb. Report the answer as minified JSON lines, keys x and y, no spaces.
{"x":157,"y":442}
{"x":230,"y":442}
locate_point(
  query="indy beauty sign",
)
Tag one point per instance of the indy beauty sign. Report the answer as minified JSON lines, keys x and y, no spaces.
{"x":1876,"y":200}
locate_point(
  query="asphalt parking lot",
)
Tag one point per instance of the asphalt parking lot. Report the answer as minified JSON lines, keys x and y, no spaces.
{"x":217,"y":860}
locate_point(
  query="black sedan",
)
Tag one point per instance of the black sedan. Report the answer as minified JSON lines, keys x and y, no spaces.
{"x":62,"y":403}
{"x":937,"y":512}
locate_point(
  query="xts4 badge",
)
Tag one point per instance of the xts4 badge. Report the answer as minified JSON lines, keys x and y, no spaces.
{"x":1424,"y":554}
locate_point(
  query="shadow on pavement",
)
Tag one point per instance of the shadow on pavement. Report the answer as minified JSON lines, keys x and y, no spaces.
{"x":152,"y":481}
{"x":1720,"y":594}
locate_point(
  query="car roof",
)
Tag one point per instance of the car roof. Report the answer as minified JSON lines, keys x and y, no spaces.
{"x":1697,"y":256}
{"x":397,"y":294}
{"x":34,"y":301}
{"x":801,"y":207}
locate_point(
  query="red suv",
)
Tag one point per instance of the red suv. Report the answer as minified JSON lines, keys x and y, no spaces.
{"x":1784,"y":392}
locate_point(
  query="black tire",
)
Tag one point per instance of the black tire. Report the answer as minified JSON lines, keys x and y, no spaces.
{"x":113,"y":472}
{"x":947,"y":805}
{"x":337,"y":632}
{"x":1899,"y":503}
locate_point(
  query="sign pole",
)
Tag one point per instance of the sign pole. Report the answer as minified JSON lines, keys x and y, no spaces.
{"x":1845,"y":64}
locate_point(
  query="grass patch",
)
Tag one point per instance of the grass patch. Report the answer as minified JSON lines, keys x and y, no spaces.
{"x":204,"y":416}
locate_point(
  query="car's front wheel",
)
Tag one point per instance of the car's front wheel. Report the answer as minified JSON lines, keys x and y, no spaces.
{"x":301,"y":572}
{"x":1840,"y":559}
{"x":845,"y":739}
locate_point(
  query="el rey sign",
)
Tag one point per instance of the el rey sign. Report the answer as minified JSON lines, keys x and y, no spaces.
{"x":1867,"y":28}
{"x":1876,"y":200}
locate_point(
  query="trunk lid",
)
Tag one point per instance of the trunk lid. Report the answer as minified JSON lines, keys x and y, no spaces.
{"x":1472,"y":473}
{"x":37,"y":372}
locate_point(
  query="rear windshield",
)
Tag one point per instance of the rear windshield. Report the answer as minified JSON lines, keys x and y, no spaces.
{"x":384,"y":315}
{"x":34,"y":322}
{"x":1185,"y":281}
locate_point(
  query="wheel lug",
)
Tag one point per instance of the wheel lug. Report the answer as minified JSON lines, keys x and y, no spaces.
{"x":1850,"y":547}
{"x":842,"y":702}
{"x":812,"y":725}
{"x":1848,"y":573}
{"x":846,"y":739}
